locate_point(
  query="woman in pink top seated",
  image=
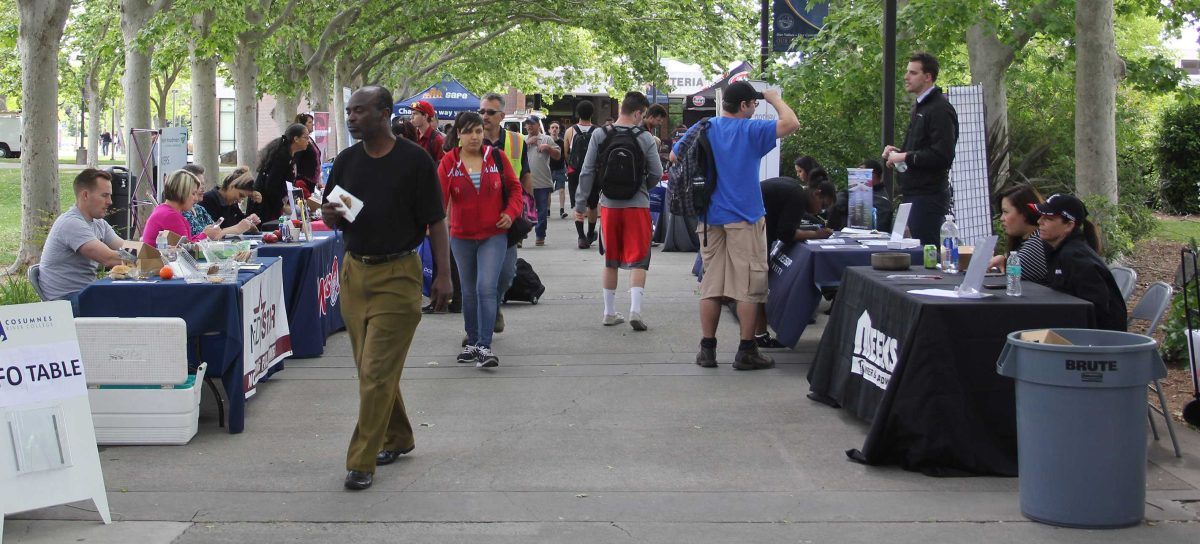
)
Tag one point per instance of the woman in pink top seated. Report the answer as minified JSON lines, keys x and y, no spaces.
{"x":181,"y":191}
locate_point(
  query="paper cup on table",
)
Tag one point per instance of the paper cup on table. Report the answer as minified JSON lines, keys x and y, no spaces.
{"x":348,"y":202}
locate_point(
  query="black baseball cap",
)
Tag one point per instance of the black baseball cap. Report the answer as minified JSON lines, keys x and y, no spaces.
{"x":739,"y":92}
{"x":533,"y":119}
{"x":1065,"y":206}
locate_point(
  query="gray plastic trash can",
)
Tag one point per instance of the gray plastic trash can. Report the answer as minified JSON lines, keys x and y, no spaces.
{"x":1081,"y":425}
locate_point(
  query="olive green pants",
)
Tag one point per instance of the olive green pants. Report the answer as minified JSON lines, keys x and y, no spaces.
{"x":381,"y":305}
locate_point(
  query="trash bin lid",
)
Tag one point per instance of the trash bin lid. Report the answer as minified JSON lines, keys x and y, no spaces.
{"x":1097,"y":359}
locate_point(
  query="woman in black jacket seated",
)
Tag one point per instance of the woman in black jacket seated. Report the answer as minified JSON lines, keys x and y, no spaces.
{"x":1073,"y":263}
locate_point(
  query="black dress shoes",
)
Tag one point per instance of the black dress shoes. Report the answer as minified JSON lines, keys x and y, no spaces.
{"x":356,"y":480}
{"x":387,"y":457}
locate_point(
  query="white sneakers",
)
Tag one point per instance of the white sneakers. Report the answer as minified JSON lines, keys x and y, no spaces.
{"x":635,"y":321}
{"x":613,"y":319}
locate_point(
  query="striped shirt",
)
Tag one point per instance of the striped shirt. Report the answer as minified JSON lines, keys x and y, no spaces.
{"x":1033,"y":259}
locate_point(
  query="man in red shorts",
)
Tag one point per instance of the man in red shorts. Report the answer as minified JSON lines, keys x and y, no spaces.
{"x":622,"y":161}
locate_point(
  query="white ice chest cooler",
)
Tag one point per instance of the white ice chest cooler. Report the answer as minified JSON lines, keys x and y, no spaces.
{"x":138,"y":381}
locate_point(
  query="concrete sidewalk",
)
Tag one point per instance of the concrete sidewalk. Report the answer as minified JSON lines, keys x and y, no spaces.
{"x":584,"y":433}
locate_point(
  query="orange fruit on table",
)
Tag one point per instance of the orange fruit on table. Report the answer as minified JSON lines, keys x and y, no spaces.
{"x":166,"y":273}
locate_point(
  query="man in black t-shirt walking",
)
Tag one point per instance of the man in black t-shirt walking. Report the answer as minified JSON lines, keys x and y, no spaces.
{"x":381,"y":273}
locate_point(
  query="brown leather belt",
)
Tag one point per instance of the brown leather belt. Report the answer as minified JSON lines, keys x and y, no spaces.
{"x":379,"y":259}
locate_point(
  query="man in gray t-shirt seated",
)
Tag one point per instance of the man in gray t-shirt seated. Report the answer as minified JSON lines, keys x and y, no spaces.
{"x":80,"y":239}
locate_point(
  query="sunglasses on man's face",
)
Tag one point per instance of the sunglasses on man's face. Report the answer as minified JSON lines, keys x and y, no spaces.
{"x":489,"y":112}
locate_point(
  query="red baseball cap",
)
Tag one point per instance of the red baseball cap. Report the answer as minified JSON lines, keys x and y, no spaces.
{"x":424,"y":107}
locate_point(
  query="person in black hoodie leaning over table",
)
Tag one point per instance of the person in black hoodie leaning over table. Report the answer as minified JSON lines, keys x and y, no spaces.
{"x":1074,"y":264}
{"x":278,"y":162}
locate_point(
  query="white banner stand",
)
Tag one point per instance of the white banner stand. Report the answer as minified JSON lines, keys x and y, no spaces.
{"x":48,"y":452}
{"x":172,"y":153}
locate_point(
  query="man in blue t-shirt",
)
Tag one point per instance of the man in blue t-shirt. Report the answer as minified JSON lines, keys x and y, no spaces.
{"x":735,"y":256}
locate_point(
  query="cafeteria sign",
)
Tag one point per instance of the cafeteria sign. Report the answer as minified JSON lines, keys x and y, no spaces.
{"x":266,"y":338}
{"x":48,"y":452}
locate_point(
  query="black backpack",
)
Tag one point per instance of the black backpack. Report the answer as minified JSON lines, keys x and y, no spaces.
{"x":621,"y":165}
{"x":692,"y":179}
{"x":579,"y":147}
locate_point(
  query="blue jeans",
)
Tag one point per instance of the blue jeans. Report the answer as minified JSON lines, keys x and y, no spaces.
{"x":479,"y":264}
{"x":507,"y":272}
{"x":541,"y":197}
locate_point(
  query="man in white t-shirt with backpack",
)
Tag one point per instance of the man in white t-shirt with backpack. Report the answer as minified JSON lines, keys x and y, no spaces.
{"x":622,"y":165}
{"x":576,"y":142}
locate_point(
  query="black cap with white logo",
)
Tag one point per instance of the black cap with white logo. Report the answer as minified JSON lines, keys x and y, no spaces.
{"x":1067,"y":207}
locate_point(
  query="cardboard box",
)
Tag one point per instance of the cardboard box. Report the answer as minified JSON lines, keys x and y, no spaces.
{"x":964,"y":257}
{"x":149,"y":260}
{"x":1045,"y":336}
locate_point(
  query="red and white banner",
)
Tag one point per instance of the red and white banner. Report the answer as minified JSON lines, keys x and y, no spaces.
{"x":266,"y":339}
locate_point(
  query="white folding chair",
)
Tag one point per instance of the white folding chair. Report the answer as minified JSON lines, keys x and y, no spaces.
{"x":1126,"y":278}
{"x":1151,"y":307}
{"x":34,"y":274}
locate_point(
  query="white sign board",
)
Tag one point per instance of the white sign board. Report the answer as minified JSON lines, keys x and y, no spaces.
{"x":172,"y":153}
{"x":48,"y":452}
{"x":861,"y":212}
{"x":768,"y":167}
{"x":266,"y":339}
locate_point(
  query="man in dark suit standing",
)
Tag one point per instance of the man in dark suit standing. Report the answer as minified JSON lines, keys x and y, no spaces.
{"x":923,"y":165}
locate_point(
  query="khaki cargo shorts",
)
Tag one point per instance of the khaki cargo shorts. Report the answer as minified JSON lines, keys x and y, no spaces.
{"x":735,"y":261}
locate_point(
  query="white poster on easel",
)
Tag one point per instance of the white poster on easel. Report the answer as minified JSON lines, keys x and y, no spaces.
{"x":48,"y":452}
{"x":172,"y":153}
{"x":768,"y":167}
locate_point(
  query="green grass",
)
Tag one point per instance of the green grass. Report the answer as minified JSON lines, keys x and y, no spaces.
{"x":1177,"y":229}
{"x":10,"y":210}
{"x":70,"y":161}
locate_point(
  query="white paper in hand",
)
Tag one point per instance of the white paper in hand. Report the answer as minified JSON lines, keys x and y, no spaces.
{"x":348,"y":204}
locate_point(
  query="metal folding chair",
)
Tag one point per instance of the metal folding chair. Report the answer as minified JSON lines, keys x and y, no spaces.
{"x":1126,"y":278}
{"x":34,"y":274}
{"x":1151,"y":308}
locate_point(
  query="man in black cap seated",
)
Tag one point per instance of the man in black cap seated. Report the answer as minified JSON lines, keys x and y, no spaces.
{"x":1073,"y":262}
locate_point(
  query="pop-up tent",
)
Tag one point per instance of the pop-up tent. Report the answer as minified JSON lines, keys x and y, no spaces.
{"x":447,"y":96}
{"x":704,"y":103}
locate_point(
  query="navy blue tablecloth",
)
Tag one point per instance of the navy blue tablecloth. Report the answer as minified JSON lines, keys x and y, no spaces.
{"x":311,"y":290}
{"x":797,"y":275}
{"x":212,"y":312}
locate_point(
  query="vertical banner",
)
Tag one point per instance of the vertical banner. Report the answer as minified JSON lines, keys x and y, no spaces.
{"x":862,"y":199}
{"x":266,"y":338}
{"x":172,"y":153}
{"x":768,"y":167}
{"x":795,"y":18}
{"x":320,"y":133}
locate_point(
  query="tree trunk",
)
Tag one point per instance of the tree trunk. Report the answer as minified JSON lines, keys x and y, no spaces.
{"x":337,"y":140}
{"x":989,"y":59}
{"x":39,"y":35}
{"x":286,"y":108}
{"x":205,"y":138}
{"x":135,"y":14}
{"x":1096,"y":70}
{"x":95,"y":119}
{"x":318,"y":83}
{"x":245,"y":82}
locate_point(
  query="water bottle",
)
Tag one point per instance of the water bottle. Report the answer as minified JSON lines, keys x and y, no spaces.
{"x":902,"y":167}
{"x":285,"y":229}
{"x":1013,"y":273}
{"x":949,"y":239}
{"x":160,"y":242}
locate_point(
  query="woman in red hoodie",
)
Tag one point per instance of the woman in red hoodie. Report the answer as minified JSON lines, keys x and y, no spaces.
{"x":474,"y":182}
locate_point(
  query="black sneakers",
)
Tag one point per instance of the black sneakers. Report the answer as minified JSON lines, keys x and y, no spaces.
{"x":484,"y":358}
{"x":751,"y":359}
{"x":767,"y":341}
{"x":469,"y":354}
{"x":707,"y":357}
{"x":387,"y":457}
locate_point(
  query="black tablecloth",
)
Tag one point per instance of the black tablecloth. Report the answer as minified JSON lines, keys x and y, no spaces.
{"x":922,"y":370}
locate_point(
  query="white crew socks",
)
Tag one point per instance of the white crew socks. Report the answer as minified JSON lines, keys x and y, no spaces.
{"x":610,"y":301}
{"x":635,"y":299}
